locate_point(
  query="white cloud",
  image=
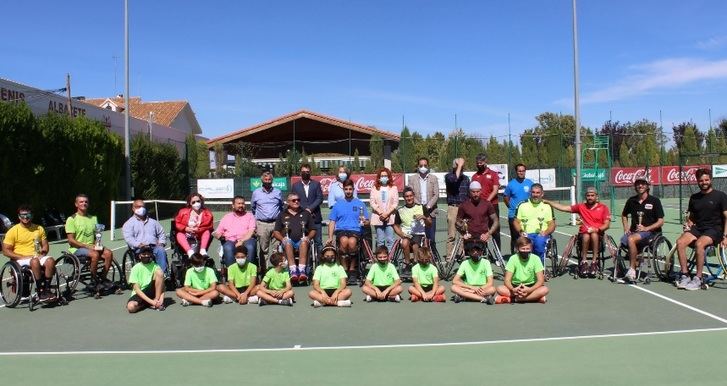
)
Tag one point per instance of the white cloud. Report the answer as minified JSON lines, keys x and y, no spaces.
{"x":662,"y":74}
{"x":712,"y":43}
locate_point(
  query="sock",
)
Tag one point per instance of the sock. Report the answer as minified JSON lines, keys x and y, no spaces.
{"x":190,"y":252}
{"x":301,"y":269}
{"x":203,"y":251}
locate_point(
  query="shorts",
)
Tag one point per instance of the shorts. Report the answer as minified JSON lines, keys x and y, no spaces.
{"x":712,"y":233}
{"x":427,"y":287}
{"x":295,"y":244}
{"x":382,"y":287}
{"x":645,"y":237}
{"x":340,"y":234}
{"x":416,"y":239}
{"x":330,"y":291}
{"x":149,"y":291}
{"x":242,"y":289}
{"x":26,"y":262}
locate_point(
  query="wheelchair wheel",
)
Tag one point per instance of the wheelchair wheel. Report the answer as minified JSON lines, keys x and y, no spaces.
{"x":722,"y":258}
{"x":663,"y":258}
{"x":11,"y":287}
{"x":568,"y":252}
{"x":32,"y":293}
{"x":69,"y":272}
{"x":610,"y":252}
{"x":493,"y":252}
{"x":551,"y":253}
{"x":446,"y":264}
{"x":127,"y":263}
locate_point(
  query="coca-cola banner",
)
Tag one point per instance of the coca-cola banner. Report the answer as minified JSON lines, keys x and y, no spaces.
{"x":657,"y":175}
{"x":362,"y":182}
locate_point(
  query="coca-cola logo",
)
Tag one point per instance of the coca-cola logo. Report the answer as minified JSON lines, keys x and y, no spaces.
{"x":687,"y":175}
{"x":624,"y":177}
{"x":363,"y":183}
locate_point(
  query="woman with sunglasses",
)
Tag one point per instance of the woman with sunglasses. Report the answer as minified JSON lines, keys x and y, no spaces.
{"x":194,"y":222}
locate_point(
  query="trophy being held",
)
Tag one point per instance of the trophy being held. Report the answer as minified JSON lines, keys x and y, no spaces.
{"x":686,"y":227}
{"x":465,"y":228}
{"x":541,"y":220}
{"x":361,"y":218}
{"x":286,"y":229}
{"x":36,"y":245}
{"x":639,"y":220}
{"x":524,"y":230}
{"x":97,"y":236}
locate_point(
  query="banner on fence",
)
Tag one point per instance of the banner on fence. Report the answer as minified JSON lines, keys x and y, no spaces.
{"x":545,"y":177}
{"x":719,"y":171}
{"x":362,"y":182}
{"x":658,"y":175}
{"x":278,"y":182}
{"x":216,"y":188}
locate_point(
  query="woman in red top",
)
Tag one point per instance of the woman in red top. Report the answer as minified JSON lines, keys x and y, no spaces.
{"x":194,"y":221}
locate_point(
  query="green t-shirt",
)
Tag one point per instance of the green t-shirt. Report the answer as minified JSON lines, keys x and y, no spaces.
{"x":524,"y":272}
{"x":276,"y":280}
{"x":142,"y":274}
{"x":530,"y":216}
{"x":382,"y":276}
{"x":241,"y":276}
{"x":202,"y":280}
{"x":329,"y":277}
{"x":475,"y":274}
{"x":425,"y":276}
{"x":83,"y":229}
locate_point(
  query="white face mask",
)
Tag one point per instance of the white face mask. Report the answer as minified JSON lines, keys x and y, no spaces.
{"x":423,"y":170}
{"x":342,"y":176}
{"x":197,"y":205}
{"x":384,"y":180}
{"x":241,"y":262}
{"x":199,"y":269}
{"x":141,"y":212}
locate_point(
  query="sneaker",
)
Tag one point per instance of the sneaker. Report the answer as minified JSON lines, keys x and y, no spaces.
{"x":368,"y":299}
{"x":302,"y":278}
{"x":440,"y":298}
{"x":185,"y":302}
{"x":253,"y":299}
{"x":207,"y":303}
{"x":543,"y":300}
{"x":293,"y":275}
{"x":630,"y":275}
{"x":594,"y":269}
{"x":396,"y":299}
{"x":286,"y":302}
{"x":414,"y":298}
{"x":499,"y":299}
{"x":262,"y":302}
{"x":694,"y":284}
{"x":161,"y":308}
{"x":344,"y":303}
{"x":583,"y":271}
{"x":489,"y":299}
{"x":683,"y":281}
{"x":316,"y":304}
{"x":456,"y":298}
{"x":226,"y":299}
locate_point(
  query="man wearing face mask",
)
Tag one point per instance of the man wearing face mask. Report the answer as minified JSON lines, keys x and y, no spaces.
{"x":426,"y":192}
{"x":266,"y":203}
{"x":516,"y":191}
{"x":147,"y":283}
{"x":311,"y":197}
{"x":141,"y":231}
{"x":236,"y":228}
{"x":490,"y":182}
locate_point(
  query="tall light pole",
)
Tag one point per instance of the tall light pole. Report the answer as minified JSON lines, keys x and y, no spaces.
{"x":576,"y":103}
{"x":127,"y":150}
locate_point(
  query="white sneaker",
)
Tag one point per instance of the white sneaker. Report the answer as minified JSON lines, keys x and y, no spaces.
{"x":397,"y":299}
{"x":203,"y":252}
{"x":185,"y":302}
{"x":694,"y":284}
{"x":317,"y":304}
{"x":207,"y":303}
{"x":226,"y":299}
{"x":253,"y":299}
{"x":368,"y":298}
{"x":344,"y":303}
{"x":631,"y":275}
{"x":684,"y":281}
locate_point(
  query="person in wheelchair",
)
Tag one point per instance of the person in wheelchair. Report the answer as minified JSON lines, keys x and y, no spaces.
{"x":329,"y":281}
{"x":595,"y":221}
{"x":382,"y":281}
{"x":200,"y":283}
{"x":706,"y":226}
{"x":148,"y":283}
{"x":474,"y":279}
{"x":26,"y":244}
{"x":241,"y":286}
{"x":534,"y":219}
{"x":410,"y":222}
{"x":194,"y":221}
{"x":81,"y":231}
{"x":346,"y":219}
{"x":425,"y":279}
{"x":647,"y":217}
{"x":295,"y":229}
{"x":237,"y":227}
{"x":141,"y":231}
{"x":480,"y":216}
{"x":524,"y":277}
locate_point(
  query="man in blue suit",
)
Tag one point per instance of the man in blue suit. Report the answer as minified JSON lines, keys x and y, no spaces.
{"x":311,"y":198}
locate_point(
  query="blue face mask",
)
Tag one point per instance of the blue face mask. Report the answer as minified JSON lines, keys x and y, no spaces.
{"x":342,"y":176}
{"x":384,"y":180}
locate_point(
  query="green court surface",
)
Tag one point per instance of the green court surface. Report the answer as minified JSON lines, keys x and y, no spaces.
{"x":590,"y":332}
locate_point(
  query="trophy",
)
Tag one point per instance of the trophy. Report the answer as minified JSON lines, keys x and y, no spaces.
{"x":540,"y":223}
{"x":465,"y":227}
{"x":685,"y":226}
{"x":99,"y":232}
{"x":525,"y":225}
{"x":286,"y":229}
{"x":302,"y":228}
{"x":36,"y":245}
{"x":361,"y":217}
{"x":640,"y":216}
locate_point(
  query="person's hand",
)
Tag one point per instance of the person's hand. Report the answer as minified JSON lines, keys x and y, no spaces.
{"x":523,"y":234}
{"x":382,"y":218}
{"x":158,"y":303}
{"x":590,"y":230}
{"x":216,"y":234}
{"x":309,"y":211}
{"x":419,"y":217}
{"x":304,"y":238}
{"x":724,"y":241}
{"x":329,"y":242}
{"x":188,"y":229}
{"x":627,"y":232}
{"x":484,"y":237}
{"x":334,"y":299}
{"x":459,"y":162}
{"x":467,"y":236}
{"x":427,"y":296}
{"x":242,"y":299}
{"x":640,"y":228}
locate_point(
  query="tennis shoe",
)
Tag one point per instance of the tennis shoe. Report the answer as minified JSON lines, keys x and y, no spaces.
{"x":630,"y":275}
{"x":456,"y":298}
{"x":396,"y":299}
{"x":185,"y":302}
{"x":286,"y":302}
{"x":583,"y":271}
{"x":207,"y":303}
{"x":368,"y":298}
{"x":490,"y":299}
{"x":499,"y":299}
{"x":226,"y":299}
{"x":439,"y":298}
{"x":414,"y":298}
{"x":683,"y":281}
{"x":316,"y":304}
{"x":694,"y":284}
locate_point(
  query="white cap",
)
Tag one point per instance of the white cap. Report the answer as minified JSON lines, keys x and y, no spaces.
{"x":475,"y":185}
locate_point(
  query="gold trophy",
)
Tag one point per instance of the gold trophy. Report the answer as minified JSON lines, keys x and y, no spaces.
{"x":361,"y":218}
{"x":686,"y":226}
{"x":99,"y":232}
{"x":540,"y":223}
{"x":286,"y":229}
{"x":640,"y":218}
{"x":465,"y":227}
{"x":36,"y":245}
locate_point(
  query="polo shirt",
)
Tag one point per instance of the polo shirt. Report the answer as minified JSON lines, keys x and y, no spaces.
{"x":517,"y":191}
{"x":593,"y":217}
{"x":346,"y":213}
{"x":295,"y":223}
{"x":478,"y":216}
{"x":488,"y":179}
{"x":651,"y":208}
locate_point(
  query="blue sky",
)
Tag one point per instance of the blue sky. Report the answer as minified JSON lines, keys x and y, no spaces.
{"x":242,"y":62}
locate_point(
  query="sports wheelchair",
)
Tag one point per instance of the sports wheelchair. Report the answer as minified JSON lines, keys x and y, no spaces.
{"x":130,"y":259}
{"x":180,"y":260}
{"x":311,"y":262}
{"x":572,"y":252}
{"x":447,"y":265}
{"x":667,"y":268}
{"x":650,"y":252}
{"x":19,"y":283}
{"x":74,"y":269}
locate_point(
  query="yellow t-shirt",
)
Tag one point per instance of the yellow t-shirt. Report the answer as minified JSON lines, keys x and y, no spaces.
{"x":21,"y":238}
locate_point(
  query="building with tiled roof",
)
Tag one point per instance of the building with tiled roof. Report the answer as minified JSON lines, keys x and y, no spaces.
{"x":176,"y":114}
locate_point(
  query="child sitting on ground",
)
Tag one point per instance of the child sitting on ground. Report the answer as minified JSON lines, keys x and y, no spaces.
{"x":425,"y":279}
{"x":276,"y":287}
{"x":241,"y":284}
{"x":200,"y":282}
{"x":524,"y":279}
{"x":329,"y":281}
{"x":382,"y":281}
{"x":478,"y":280}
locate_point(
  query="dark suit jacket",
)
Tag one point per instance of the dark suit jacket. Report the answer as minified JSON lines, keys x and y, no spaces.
{"x":313,"y":200}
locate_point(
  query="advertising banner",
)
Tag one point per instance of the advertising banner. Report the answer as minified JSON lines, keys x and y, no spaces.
{"x":658,"y":175}
{"x":216,"y":188}
{"x":278,"y":182}
{"x":545,"y":177}
{"x":362,"y":182}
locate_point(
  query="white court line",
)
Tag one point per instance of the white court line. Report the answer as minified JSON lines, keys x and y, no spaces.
{"x":361,"y":347}
{"x":687,"y":306}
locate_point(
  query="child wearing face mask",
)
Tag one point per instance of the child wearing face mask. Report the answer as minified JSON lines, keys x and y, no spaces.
{"x":524,"y":279}
{"x":425,"y":279}
{"x":276,"y":287}
{"x":329,"y":281}
{"x":200,"y":283}
{"x":241,"y":286}
{"x":474,"y":280}
{"x":147,"y":283}
{"x":382,"y":281}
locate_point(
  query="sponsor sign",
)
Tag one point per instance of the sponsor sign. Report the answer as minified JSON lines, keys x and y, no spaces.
{"x":545,"y":177}
{"x":627,"y":176}
{"x":278,"y":182}
{"x":670,"y":174}
{"x":216,"y":188}
{"x":659,"y":175}
{"x":719,"y":171}
{"x":363,"y":183}
{"x":501,"y":169}
{"x":590,"y":174}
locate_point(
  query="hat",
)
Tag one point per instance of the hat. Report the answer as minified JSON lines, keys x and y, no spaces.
{"x":475,"y":185}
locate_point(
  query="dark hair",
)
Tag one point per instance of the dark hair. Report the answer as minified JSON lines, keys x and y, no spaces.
{"x":193,"y":195}
{"x":703,"y":171}
{"x":523,"y":241}
{"x":81,"y":195}
{"x":197,"y":259}
{"x":145,"y":249}
{"x":25,"y":208}
{"x":137,"y":198}
{"x":407,"y":189}
{"x":276,"y":258}
{"x":520,"y":164}
{"x":536,"y":185}
{"x":481,"y":157}
{"x":424,"y":252}
{"x":238,"y":197}
{"x":348,"y":182}
{"x":305,"y":165}
{"x":241,"y":249}
{"x":329,"y":248}
{"x":382,"y":249}
{"x":422,"y":158}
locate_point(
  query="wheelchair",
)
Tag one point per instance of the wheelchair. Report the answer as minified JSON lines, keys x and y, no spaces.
{"x":666,"y":266}
{"x":396,"y":256}
{"x":180,"y":260}
{"x":130,"y":259}
{"x":572,"y":253}
{"x":311,"y":262}
{"x":19,"y":283}
{"x":649,"y":253}
{"x":73,"y":270}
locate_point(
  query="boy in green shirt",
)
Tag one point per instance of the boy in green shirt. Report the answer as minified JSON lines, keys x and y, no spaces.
{"x":524,"y":279}
{"x":329,"y":281}
{"x":478,"y":280}
{"x":425,"y":279}
{"x":147,"y":281}
{"x":241,"y":284}
{"x":276,"y":287}
{"x":382,"y":281}
{"x":200,"y":282}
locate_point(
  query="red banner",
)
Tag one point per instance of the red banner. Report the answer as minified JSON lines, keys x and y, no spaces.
{"x":362,"y":182}
{"x":658,"y":175}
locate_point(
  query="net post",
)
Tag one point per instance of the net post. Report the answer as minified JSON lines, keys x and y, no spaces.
{"x":112,"y":226}
{"x":572,"y":202}
{"x":156,"y":208}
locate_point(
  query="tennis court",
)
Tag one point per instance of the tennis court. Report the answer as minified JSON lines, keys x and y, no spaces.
{"x":590,"y":331}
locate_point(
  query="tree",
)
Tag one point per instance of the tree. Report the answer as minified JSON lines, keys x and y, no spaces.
{"x":244,"y":165}
{"x":376,"y":149}
{"x":405,"y":153}
{"x":356,"y":166}
{"x":625,"y":159}
{"x":616,"y":133}
{"x":680,"y":133}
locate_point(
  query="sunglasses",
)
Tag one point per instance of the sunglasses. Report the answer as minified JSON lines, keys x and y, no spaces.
{"x":295,"y":200}
{"x":25,"y":215}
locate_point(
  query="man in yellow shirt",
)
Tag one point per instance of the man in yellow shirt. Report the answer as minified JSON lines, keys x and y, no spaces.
{"x":27,"y":245}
